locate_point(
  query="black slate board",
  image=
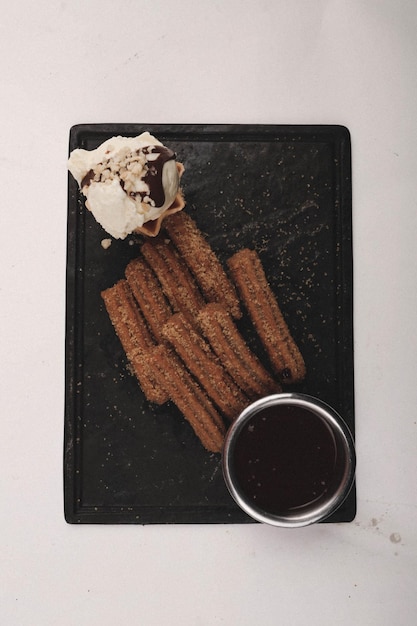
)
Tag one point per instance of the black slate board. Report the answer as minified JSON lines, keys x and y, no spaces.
{"x":284,"y":190}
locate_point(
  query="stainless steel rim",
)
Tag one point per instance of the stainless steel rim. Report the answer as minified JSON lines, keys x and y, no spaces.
{"x":340,"y":431}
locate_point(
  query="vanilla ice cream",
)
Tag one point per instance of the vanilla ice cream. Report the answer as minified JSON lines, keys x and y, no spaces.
{"x":127,"y":181}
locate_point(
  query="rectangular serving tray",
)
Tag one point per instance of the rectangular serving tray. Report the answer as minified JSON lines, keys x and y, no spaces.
{"x":283,"y":190}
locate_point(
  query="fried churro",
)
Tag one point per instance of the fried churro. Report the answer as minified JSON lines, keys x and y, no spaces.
{"x":177,"y":283}
{"x":202,"y":262}
{"x":240,"y":362}
{"x":249,"y":276}
{"x":190,"y":399}
{"x":201,"y":361}
{"x":134,"y":336}
{"x":149,"y":295}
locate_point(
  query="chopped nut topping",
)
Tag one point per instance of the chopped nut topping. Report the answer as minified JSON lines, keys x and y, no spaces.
{"x":127,"y":168}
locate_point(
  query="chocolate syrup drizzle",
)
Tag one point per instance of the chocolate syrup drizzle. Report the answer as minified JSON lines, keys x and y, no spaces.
{"x":87,"y":178}
{"x":152,"y":177}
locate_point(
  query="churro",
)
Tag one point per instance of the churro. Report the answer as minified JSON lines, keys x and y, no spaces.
{"x":249,"y":276}
{"x":149,"y":295}
{"x":190,"y":399}
{"x":202,"y":262}
{"x":240,"y":362}
{"x":177,"y":283}
{"x":134,"y":336}
{"x":201,"y":361}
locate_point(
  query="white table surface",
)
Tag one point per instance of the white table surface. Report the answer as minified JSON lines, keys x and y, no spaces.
{"x":265,"y":61}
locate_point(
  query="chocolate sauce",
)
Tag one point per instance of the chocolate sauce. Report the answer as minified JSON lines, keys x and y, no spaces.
{"x":153,"y":177}
{"x":286,"y":458}
{"x":87,"y":178}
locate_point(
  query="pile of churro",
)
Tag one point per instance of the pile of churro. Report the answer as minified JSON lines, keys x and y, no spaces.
{"x":175,"y":313}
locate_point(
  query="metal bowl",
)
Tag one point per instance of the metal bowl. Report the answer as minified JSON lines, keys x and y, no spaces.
{"x":340,"y":475}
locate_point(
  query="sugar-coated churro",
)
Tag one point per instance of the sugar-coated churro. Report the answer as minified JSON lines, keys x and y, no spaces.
{"x":201,"y":361}
{"x":190,"y":399}
{"x":134,"y":336}
{"x":149,"y":295}
{"x":202,"y":262}
{"x":248,"y":274}
{"x":177,"y":283}
{"x":176,"y":314}
{"x":241,"y":363}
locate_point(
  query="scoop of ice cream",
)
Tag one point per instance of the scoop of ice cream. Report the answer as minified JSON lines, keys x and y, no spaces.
{"x":127,"y":181}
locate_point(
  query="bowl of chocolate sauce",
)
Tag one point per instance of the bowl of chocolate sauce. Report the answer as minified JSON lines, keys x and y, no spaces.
{"x":289,"y":460}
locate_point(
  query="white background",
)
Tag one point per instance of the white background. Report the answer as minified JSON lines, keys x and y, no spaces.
{"x":225,"y":61}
